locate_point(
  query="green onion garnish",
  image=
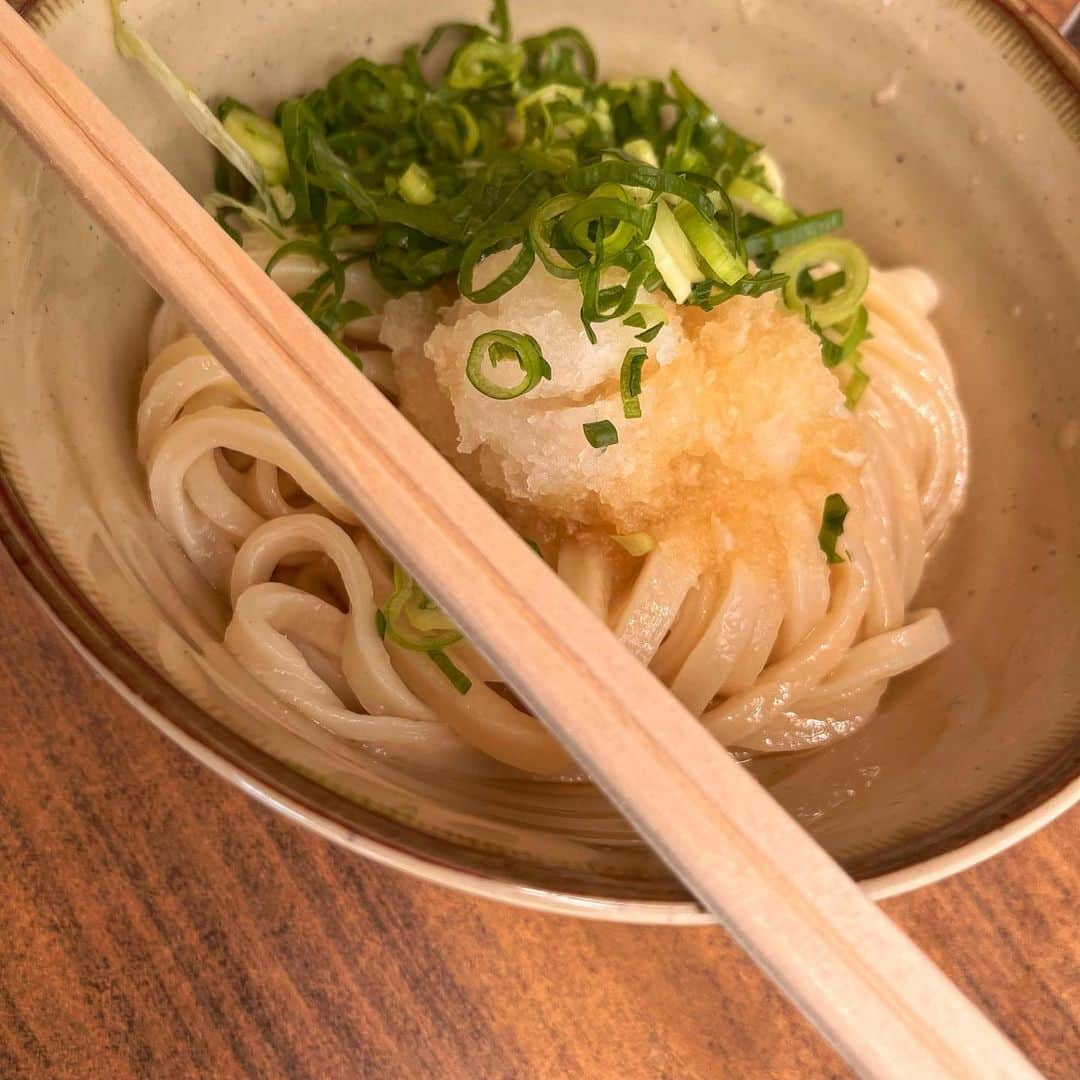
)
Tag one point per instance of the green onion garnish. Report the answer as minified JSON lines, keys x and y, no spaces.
{"x":856,"y":385}
{"x":845,"y":349}
{"x":630,"y":382}
{"x":260,"y":138}
{"x":854,"y":331}
{"x":458,"y":679}
{"x":642,"y":150}
{"x":674,"y":255}
{"x":498,"y":346}
{"x":716,"y":252}
{"x":796,"y":232}
{"x":484,"y":63}
{"x":412,"y":621}
{"x":832,"y":526}
{"x":628,"y":187}
{"x":637,"y":544}
{"x":416,"y":186}
{"x":601,"y":433}
{"x":820,"y":288}
{"x":759,"y":200}
{"x":513,"y":145}
{"x":648,"y":318}
{"x":844,"y":301}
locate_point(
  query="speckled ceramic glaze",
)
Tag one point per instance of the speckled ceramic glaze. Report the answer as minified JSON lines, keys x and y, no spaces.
{"x":949,"y":131}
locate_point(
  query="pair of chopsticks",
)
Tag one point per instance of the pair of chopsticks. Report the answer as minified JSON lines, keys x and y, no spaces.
{"x":872,"y":993}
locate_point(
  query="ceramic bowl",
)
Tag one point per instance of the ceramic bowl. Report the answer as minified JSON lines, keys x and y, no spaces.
{"x":950,"y":132}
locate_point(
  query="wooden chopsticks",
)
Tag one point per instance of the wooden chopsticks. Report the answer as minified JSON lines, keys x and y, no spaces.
{"x":870,"y":990}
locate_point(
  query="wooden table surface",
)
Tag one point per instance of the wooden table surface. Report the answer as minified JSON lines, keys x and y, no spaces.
{"x":155,"y":922}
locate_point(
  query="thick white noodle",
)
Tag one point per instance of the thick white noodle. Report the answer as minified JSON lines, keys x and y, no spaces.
{"x":771,"y":657}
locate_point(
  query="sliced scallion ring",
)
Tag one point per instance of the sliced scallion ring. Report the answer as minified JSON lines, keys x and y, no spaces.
{"x":836,"y":352}
{"x":674,"y":255}
{"x":416,"y":186}
{"x":549,"y":93}
{"x":560,"y":262}
{"x":260,"y":138}
{"x":404,"y":602}
{"x":601,"y":433}
{"x":584,"y":221}
{"x":452,"y":128}
{"x":498,"y":346}
{"x":784,"y":236}
{"x":630,"y":381}
{"x":716,"y":252}
{"x":643,"y":151}
{"x":483,"y":63}
{"x":648,"y":318}
{"x":636,"y":544}
{"x":759,"y":200}
{"x":856,"y":385}
{"x":483,"y":246}
{"x":636,"y":174}
{"x":848,"y":256}
{"x":833,"y":514}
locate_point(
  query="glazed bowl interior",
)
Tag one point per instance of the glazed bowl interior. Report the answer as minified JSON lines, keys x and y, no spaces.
{"x":950,"y":144}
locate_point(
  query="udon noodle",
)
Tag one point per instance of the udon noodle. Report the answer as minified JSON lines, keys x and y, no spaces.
{"x":734,"y":607}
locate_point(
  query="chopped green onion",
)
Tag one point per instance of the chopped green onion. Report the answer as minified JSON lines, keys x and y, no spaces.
{"x":199,"y":115}
{"x":480,"y":248}
{"x":637,"y":544}
{"x":562,"y":262}
{"x":636,"y":174}
{"x":402,"y":613}
{"x":714,"y":250}
{"x":855,"y":333}
{"x":755,"y":199}
{"x":856,"y":385}
{"x":584,"y":223}
{"x":498,"y":346}
{"x":450,"y":129}
{"x":674,"y":255}
{"x":260,"y":138}
{"x":563,"y":52}
{"x":832,"y":526}
{"x":548,"y":94}
{"x":485,"y":63}
{"x":642,"y":150}
{"x":725,"y":150}
{"x":648,"y":318}
{"x":823,"y":250}
{"x":820,"y":288}
{"x":499,"y":17}
{"x":513,"y":146}
{"x":630,"y":381}
{"x":416,"y":186}
{"x":424,"y":614}
{"x":458,"y":679}
{"x":796,"y":232}
{"x":601,"y":433}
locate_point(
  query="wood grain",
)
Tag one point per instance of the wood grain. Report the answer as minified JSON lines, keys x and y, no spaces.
{"x":154,"y":922}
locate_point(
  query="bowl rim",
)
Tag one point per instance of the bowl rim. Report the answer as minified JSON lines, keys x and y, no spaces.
{"x":94,"y":639}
